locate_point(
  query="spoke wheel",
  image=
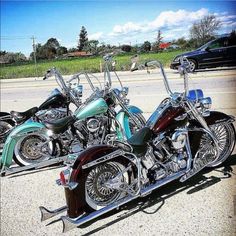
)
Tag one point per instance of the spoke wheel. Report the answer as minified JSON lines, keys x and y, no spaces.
{"x":225,"y":134}
{"x":29,"y":150}
{"x":98,"y":194}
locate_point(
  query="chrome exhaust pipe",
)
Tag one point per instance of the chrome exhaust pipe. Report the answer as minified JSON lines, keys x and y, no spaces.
{"x":14,"y":170}
{"x":47,"y":214}
{"x":70,"y":223}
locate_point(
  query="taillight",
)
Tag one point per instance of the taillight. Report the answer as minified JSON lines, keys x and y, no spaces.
{"x":64,"y":177}
{"x":65,"y":180}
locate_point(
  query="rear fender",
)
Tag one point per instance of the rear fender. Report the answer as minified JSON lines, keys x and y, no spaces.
{"x":75,"y":198}
{"x":123,"y":131}
{"x":14,"y":136}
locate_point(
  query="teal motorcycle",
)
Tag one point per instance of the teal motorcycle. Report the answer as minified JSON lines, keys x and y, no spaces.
{"x":103,"y":117}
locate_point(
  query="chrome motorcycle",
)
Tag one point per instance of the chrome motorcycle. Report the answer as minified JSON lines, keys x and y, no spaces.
{"x":180,"y":138}
{"x":95,"y":121}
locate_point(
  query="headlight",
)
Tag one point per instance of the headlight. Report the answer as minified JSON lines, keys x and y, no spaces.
{"x":78,"y":91}
{"x":125,"y":91}
{"x":206,"y":103}
{"x":205,"y":106}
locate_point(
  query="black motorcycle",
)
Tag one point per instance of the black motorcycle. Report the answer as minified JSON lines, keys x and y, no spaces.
{"x":56,"y":106}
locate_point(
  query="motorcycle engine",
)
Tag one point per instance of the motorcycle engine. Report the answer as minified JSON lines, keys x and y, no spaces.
{"x":165,"y":156}
{"x":91,"y":130}
{"x":52,"y":114}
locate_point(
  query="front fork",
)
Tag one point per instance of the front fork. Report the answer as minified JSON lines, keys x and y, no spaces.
{"x":205,"y":128}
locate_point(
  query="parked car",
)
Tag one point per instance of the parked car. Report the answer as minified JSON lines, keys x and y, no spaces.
{"x":218,"y":52}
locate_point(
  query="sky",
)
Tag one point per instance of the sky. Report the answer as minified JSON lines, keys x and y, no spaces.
{"x":115,"y":22}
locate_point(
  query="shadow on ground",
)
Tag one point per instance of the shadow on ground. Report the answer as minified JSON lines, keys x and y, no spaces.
{"x":158,"y":198}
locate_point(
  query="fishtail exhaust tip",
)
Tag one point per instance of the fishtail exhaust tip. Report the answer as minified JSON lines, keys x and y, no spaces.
{"x":67,"y":224}
{"x":43,"y":212}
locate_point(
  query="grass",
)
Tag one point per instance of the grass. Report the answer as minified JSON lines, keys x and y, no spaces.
{"x":72,"y":66}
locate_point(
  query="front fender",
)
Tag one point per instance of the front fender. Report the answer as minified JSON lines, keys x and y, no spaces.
{"x":216,"y":117}
{"x":13,"y":137}
{"x":75,"y":198}
{"x":123,"y":120}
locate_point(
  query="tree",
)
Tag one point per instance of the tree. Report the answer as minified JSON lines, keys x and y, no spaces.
{"x":156,"y":45}
{"x":72,"y":49}
{"x":205,"y":29}
{"x":146,"y":47}
{"x":126,"y":48}
{"x":61,"y":50}
{"x":83,"y":38}
{"x":49,"y":50}
{"x":52,"y":43}
{"x":92,"y":46}
{"x":11,"y":57}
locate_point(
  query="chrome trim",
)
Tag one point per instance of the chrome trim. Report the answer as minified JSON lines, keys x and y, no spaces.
{"x":213,"y":138}
{"x":159,"y":64}
{"x":9,"y":171}
{"x":206,"y":129}
{"x":70,"y":223}
{"x":103,"y":159}
{"x":6,"y":117}
{"x":189,"y":153}
{"x":47,"y":214}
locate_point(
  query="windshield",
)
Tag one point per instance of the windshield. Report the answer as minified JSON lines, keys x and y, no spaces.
{"x":206,"y":45}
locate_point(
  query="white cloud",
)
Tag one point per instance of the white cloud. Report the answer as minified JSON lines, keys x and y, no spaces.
{"x":96,"y":36}
{"x":177,"y":18}
{"x":126,"y":28}
{"x":173,"y":25}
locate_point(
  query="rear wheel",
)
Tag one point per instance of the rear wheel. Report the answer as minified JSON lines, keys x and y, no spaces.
{"x":98,"y":192}
{"x":32,"y":149}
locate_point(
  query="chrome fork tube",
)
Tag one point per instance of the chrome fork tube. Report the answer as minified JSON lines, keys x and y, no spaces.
{"x":189,"y":153}
{"x":201,"y":120}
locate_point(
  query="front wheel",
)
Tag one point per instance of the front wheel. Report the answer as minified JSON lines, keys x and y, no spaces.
{"x":32,"y":149}
{"x":225,"y":134}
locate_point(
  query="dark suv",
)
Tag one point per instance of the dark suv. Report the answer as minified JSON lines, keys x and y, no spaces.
{"x":218,"y":52}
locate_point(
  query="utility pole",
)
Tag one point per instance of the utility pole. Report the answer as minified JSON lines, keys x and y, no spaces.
{"x":35,"y":61}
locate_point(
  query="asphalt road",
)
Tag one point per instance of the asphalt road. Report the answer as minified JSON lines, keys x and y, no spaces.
{"x":204,"y":205}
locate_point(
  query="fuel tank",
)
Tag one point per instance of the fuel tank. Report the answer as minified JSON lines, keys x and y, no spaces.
{"x":93,"y":108}
{"x":54,"y":101}
{"x":165,"y":118}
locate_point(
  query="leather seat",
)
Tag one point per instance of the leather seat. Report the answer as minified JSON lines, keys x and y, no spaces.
{"x":60,"y":125}
{"x":23,"y":116}
{"x":139,"y":140}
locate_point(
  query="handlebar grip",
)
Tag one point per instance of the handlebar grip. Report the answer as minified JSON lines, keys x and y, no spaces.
{"x":45,"y":77}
